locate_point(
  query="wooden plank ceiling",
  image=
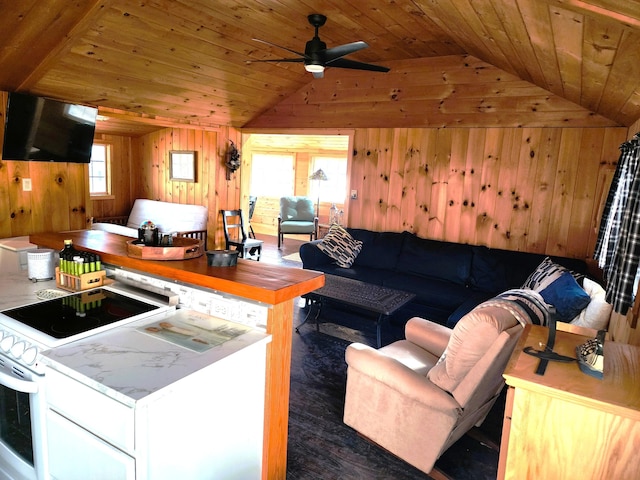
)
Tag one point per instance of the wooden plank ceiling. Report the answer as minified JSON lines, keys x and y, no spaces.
{"x":156,"y":63}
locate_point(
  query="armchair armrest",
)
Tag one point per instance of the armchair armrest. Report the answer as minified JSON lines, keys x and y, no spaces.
{"x":428,"y":335}
{"x":399,"y":377}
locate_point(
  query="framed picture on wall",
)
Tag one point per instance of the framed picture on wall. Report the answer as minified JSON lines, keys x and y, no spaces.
{"x":182,"y":165}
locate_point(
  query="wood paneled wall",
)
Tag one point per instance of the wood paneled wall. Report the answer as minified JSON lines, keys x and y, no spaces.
{"x":525,"y":189}
{"x":57,"y":200}
{"x":122,"y":172}
{"x":152,"y":172}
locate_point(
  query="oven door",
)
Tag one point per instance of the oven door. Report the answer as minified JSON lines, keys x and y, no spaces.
{"x":22,"y":408}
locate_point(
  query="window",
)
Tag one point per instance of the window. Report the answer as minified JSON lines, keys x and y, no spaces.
{"x":334,"y":188}
{"x":272,"y":175}
{"x":100,"y":170}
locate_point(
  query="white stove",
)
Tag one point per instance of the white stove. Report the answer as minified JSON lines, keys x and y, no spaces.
{"x":27,"y":330}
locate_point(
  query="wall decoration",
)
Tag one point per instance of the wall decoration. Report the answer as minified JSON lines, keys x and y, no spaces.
{"x":232,"y":160}
{"x":183,"y":165}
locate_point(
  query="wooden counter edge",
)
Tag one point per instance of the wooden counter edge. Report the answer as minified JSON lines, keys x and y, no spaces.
{"x":305,"y":280}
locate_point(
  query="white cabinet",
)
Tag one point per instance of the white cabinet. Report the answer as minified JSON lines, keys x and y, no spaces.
{"x":77,"y":454}
{"x":206,"y":425}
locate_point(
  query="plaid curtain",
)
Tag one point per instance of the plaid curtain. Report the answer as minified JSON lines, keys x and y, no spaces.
{"x":618,"y":245}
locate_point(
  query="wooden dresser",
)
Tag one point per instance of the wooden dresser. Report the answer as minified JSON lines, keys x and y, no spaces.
{"x":566,"y":424}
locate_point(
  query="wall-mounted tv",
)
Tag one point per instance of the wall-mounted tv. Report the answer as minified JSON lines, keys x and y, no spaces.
{"x":42,"y":129}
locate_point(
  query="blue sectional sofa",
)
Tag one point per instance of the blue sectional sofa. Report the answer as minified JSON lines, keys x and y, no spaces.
{"x":449,"y":279}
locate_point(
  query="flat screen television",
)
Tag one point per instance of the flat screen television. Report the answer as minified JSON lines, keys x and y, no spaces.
{"x":42,"y":129}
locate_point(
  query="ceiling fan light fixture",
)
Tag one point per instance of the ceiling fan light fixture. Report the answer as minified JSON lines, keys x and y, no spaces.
{"x":314,"y":68}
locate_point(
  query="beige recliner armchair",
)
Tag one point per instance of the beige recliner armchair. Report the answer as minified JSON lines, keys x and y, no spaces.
{"x":415,"y":400}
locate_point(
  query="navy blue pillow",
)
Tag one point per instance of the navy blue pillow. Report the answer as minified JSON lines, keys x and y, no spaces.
{"x":567,"y":296}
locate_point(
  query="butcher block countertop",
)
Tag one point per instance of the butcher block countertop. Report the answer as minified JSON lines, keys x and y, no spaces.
{"x":271,"y":284}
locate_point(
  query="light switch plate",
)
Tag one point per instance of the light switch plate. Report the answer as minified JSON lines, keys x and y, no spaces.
{"x":26,"y":184}
{"x":354,"y":194}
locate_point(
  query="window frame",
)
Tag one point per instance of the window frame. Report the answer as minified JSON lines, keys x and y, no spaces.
{"x":104,"y":195}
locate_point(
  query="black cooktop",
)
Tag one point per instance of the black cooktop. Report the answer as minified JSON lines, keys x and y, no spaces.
{"x":80,"y":312}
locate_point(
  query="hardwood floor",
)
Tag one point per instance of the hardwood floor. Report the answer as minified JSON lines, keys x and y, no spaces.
{"x":320,"y":446}
{"x":274,"y":255}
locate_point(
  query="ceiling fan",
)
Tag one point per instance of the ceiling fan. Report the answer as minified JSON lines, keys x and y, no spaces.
{"x":317,"y":56}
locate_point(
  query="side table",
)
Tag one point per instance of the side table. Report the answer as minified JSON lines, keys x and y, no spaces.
{"x":566,"y":424}
{"x":323,"y":229}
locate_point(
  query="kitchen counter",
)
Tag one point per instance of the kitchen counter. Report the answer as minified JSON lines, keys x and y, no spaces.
{"x":18,"y":290}
{"x":273,"y":285}
{"x":132,"y":367}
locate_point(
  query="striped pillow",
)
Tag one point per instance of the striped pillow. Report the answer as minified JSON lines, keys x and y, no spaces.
{"x":341,"y":246}
{"x":547,"y":273}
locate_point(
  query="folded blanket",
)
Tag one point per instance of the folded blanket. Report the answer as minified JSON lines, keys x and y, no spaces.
{"x":526,"y":305}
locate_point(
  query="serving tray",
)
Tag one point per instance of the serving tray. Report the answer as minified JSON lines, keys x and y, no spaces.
{"x":183,"y":248}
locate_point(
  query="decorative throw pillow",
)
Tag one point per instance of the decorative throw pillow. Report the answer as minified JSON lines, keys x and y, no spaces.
{"x":597,"y":313}
{"x":566,"y":296}
{"x":546,"y":273}
{"x":341,"y":246}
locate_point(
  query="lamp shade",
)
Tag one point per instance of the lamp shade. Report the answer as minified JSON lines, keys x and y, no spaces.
{"x":319,"y":175}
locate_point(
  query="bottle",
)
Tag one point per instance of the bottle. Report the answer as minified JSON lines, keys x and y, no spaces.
{"x":333,"y":214}
{"x":66,"y":256}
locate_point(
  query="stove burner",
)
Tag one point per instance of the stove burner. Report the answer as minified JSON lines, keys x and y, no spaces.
{"x":80,"y":312}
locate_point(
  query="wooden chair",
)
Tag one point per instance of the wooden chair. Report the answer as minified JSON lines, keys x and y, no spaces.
{"x":235,"y":235}
{"x":252,"y":207}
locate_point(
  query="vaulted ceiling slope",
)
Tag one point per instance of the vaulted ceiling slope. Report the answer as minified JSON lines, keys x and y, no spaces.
{"x":453,"y":62}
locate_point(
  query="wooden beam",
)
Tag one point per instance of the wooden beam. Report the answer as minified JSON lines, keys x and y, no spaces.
{"x":627,"y":12}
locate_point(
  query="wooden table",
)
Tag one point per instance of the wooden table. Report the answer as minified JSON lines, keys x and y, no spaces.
{"x":566,"y":424}
{"x":380,"y":300}
{"x":271,"y":284}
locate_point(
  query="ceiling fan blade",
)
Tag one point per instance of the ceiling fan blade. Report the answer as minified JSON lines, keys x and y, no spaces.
{"x":279,"y":46}
{"x":344,"y":63}
{"x":332,"y":54}
{"x":278,"y":60}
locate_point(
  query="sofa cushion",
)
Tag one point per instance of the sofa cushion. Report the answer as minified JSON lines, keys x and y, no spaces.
{"x":431,"y":291}
{"x":474,"y":299}
{"x":118,"y":229}
{"x":364,"y":274}
{"x":494,"y":270}
{"x":379,"y":249}
{"x":568,"y":298}
{"x":340,"y":246}
{"x":432,"y":258}
{"x":168,"y":217}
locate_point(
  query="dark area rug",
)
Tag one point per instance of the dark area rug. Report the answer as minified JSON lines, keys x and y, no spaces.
{"x":321,"y":446}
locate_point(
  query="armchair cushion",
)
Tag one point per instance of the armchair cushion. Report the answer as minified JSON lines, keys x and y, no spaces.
{"x":381,"y":366}
{"x":341,"y":246}
{"x":470,"y":339}
{"x":298,"y":209}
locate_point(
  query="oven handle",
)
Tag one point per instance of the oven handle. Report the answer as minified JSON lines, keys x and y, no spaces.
{"x":24,"y":386}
